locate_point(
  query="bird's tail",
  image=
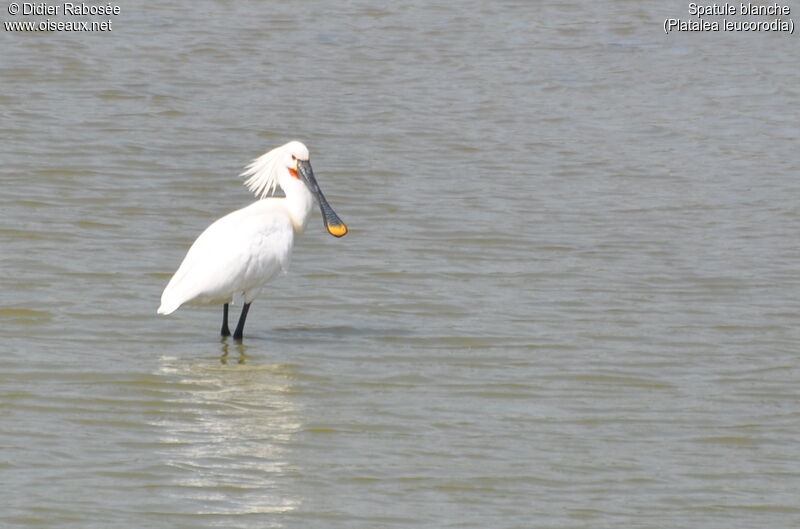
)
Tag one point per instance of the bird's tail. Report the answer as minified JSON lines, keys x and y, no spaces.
{"x":168,"y":303}
{"x":166,"y":308}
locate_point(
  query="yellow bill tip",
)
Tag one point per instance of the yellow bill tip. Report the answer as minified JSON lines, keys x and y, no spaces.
{"x":337,"y":230}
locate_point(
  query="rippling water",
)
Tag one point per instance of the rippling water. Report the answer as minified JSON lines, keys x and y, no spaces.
{"x":569,"y":297}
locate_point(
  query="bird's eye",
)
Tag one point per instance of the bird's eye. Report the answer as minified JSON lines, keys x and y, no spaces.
{"x":294,"y":157}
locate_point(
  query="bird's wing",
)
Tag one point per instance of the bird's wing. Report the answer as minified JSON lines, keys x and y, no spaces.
{"x":237,"y":252}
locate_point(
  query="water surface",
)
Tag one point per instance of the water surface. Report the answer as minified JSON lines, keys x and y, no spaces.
{"x":569,"y":296}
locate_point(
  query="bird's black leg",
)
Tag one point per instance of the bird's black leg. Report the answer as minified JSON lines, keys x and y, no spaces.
{"x":225,"y":331}
{"x":237,"y":334}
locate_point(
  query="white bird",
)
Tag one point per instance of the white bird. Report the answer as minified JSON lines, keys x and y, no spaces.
{"x":239,"y":253}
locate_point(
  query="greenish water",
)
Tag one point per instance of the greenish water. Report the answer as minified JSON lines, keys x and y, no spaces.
{"x":568,"y":298}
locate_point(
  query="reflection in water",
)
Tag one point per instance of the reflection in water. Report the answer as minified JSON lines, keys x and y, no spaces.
{"x":227,"y":434}
{"x":240,"y":349}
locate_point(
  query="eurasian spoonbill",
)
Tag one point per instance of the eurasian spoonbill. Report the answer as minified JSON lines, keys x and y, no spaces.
{"x":240,"y":252}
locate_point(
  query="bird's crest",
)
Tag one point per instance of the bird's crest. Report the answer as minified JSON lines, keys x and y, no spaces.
{"x":262,"y":173}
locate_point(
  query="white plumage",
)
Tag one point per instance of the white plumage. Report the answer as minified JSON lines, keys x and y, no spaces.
{"x":237,"y":254}
{"x":240,"y":252}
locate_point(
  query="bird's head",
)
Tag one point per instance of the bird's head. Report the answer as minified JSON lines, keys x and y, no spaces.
{"x":266,"y":173}
{"x":294,"y":153}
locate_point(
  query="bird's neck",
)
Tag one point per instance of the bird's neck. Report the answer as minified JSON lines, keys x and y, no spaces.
{"x":299,"y":203}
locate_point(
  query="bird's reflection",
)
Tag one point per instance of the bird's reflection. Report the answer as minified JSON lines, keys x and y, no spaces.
{"x":239,"y":347}
{"x":227,"y":432}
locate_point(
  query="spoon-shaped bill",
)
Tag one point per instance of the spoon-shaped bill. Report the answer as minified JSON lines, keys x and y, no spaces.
{"x":333,"y":223}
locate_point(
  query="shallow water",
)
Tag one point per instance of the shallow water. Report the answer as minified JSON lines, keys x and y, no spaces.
{"x":569,"y":296}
